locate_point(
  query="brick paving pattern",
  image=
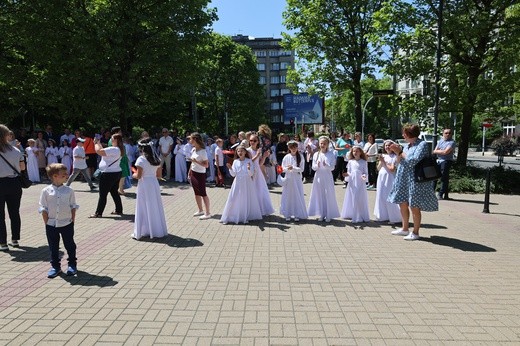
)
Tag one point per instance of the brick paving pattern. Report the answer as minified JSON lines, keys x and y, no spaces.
{"x":269,"y":282}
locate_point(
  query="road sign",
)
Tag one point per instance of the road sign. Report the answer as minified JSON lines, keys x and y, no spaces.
{"x":382,"y":93}
{"x":487,"y":124}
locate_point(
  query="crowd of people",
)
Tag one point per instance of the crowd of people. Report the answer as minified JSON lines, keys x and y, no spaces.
{"x":248,"y":162}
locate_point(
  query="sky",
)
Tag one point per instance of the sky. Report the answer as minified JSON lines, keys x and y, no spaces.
{"x":257,"y":18}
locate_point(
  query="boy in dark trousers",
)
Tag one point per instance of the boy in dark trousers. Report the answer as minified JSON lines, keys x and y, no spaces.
{"x":58,"y":208}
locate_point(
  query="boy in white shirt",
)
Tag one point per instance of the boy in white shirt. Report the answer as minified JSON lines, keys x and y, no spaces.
{"x":58,"y":208}
{"x":80,"y":164}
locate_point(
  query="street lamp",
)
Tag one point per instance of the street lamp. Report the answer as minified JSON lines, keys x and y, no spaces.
{"x":437,"y":74}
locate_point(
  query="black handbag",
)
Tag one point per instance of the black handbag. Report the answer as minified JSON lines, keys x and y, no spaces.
{"x":427,"y":170}
{"x":24,"y":181}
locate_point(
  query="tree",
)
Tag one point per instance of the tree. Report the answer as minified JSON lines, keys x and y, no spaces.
{"x":480,"y":48}
{"x":230,"y":86}
{"x":332,"y":43}
{"x":125,"y":62}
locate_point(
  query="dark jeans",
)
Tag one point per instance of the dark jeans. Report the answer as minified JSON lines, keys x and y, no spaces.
{"x":444,"y":166}
{"x":10,"y":194}
{"x":53,"y":238}
{"x":339,"y":169}
{"x":109,"y":182}
{"x":372,"y":173}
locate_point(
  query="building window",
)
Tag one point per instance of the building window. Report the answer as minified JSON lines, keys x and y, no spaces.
{"x":285,"y":53}
{"x":275,"y":106}
{"x":283,"y":79}
{"x":261,"y":80}
{"x":273,"y":53}
{"x":275,"y":79}
{"x":260,"y":67}
{"x":275,"y":67}
{"x":284,"y":65}
{"x":276,"y":118}
{"x":285,"y":91}
{"x":261,"y":53}
{"x":275,"y":92}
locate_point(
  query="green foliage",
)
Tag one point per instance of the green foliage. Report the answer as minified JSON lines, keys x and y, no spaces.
{"x":229,"y":84}
{"x":123,"y":61}
{"x":504,"y":146}
{"x":471,"y":179}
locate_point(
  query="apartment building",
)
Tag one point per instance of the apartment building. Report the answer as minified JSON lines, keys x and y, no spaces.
{"x":273,"y":63}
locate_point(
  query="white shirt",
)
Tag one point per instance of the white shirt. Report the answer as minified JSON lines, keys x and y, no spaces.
{"x":58,"y":202}
{"x":371,"y":151}
{"x":14,"y":157}
{"x":79,"y":158}
{"x":200,"y":155}
{"x":166,"y":143}
{"x":220,"y":156}
{"x":110,"y":162}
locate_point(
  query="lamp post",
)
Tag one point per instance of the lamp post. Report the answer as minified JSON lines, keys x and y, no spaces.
{"x":437,"y":73}
{"x":363,"y":118}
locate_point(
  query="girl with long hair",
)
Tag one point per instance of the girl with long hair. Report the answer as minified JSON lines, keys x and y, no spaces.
{"x":197,"y":174}
{"x":149,"y":210}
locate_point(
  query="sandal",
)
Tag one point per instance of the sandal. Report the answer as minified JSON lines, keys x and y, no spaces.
{"x":116,"y":213}
{"x":94,"y":216}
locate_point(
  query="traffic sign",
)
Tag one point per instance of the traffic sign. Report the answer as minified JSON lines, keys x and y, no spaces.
{"x":487,"y":124}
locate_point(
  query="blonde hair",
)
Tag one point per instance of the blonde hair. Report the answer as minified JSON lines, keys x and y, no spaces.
{"x":351,"y":153}
{"x":55,"y":168}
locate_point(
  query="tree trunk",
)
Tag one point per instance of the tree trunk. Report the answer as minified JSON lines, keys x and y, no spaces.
{"x":468,"y":111}
{"x":358,"y":106}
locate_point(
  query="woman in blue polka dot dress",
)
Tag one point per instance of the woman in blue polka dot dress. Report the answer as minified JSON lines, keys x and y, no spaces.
{"x":409,"y":194}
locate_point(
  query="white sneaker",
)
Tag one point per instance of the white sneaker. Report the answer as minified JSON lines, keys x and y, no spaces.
{"x":199,"y":213}
{"x":288,"y":219}
{"x":400,"y":231}
{"x":327,"y":220}
{"x":205,"y":217}
{"x":412,"y":236}
{"x":296,"y":219}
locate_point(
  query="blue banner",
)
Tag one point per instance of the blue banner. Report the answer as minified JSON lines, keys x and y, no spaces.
{"x":302,"y":108}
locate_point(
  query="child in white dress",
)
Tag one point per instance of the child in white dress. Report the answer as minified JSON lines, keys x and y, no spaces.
{"x":242,"y":204}
{"x":149,"y":210}
{"x":384,"y":210}
{"x":355,"y":204}
{"x":33,"y":171}
{"x":293,"y":200}
{"x":52,"y":152}
{"x":258,"y":158}
{"x":66,"y":155}
{"x":323,"y":197}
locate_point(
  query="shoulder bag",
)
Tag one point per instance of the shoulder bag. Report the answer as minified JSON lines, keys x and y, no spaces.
{"x":24,"y":181}
{"x":98,"y":172}
{"x":427,"y":170}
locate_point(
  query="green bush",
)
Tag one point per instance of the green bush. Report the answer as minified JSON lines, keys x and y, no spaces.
{"x":470,"y":179}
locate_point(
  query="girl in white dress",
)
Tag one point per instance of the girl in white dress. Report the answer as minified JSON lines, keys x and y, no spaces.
{"x":323,"y":197}
{"x":262,"y":192}
{"x":293,"y":200}
{"x":149,"y":210}
{"x":66,"y":155}
{"x":355,"y":204}
{"x":52,"y":152}
{"x":33,"y":171}
{"x":242,"y":204}
{"x":384,"y":210}
{"x":180,"y":163}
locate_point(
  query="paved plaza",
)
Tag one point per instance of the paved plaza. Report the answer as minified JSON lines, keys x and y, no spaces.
{"x":269,"y":282}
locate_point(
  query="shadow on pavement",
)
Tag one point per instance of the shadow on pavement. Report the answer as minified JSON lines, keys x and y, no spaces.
{"x":31,"y":254}
{"x":506,"y":214}
{"x":458,"y":244}
{"x":87,"y":279}
{"x":469,"y":201}
{"x":174,"y":241}
{"x":429,"y":226}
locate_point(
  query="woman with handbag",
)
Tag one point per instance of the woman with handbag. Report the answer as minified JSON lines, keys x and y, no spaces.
{"x":11,"y":163}
{"x":110,"y":175}
{"x":407,"y":192}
